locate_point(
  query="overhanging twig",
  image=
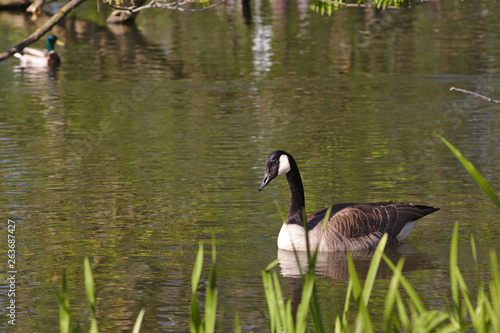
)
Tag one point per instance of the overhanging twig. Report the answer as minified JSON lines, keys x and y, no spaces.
{"x":475,"y":95}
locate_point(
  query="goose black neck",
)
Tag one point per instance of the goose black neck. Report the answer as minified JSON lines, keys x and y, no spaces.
{"x":297,"y":204}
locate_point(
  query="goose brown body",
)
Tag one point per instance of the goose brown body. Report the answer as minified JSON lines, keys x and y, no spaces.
{"x":350,"y":226}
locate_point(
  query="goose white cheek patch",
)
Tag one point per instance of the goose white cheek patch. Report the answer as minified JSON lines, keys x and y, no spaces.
{"x":284,"y":165}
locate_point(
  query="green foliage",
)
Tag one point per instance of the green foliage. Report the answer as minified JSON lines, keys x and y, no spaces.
{"x":198,"y":324}
{"x":483,"y":184}
{"x":329,"y":7}
{"x":324,"y":7}
{"x":90,"y":291}
{"x":66,"y":323}
{"x":401,"y":312}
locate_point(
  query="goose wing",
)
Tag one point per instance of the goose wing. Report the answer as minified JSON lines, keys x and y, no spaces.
{"x":363,"y":219}
{"x":317,"y":217}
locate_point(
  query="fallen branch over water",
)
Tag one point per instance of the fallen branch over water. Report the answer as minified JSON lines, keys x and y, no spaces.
{"x":42,"y":30}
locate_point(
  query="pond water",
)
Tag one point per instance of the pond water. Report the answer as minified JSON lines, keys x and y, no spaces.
{"x":150,"y":139}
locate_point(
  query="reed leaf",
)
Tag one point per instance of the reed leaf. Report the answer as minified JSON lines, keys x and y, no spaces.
{"x":392,"y":297}
{"x":207,"y":323}
{"x":483,"y":184}
{"x":457,"y":306}
{"x":90,"y":291}
{"x":195,"y":317}
{"x":63,"y":300}
{"x":138,"y":321}
{"x":415,"y":300}
{"x":270,"y":297}
{"x":363,"y":321}
{"x":315,"y":311}
{"x":304,"y":306}
{"x":495,"y":291}
{"x":211,"y":296}
{"x":314,"y":302}
{"x":237,"y":326}
{"x":373,"y":269}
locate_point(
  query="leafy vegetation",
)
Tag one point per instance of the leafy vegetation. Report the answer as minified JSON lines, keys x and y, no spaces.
{"x":66,"y":322}
{"x":207,"y":323}
{"x":329,"y":7}
{"x":403,"y":309}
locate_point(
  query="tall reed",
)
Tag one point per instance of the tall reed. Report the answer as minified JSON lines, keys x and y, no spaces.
{"x":66,"y":321}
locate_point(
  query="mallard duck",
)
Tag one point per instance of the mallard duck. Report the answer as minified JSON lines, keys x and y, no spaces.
{"x":349,"y":227}
{"x":41,"y":58}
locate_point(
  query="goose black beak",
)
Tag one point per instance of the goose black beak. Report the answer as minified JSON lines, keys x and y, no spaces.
{"x":267,"y":178}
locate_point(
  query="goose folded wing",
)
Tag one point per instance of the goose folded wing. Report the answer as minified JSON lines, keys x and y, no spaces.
{"x":364,"y":219}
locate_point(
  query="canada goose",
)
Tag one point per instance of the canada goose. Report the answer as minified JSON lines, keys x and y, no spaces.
{"x":350,"y":226}
{"x":31,"y":57}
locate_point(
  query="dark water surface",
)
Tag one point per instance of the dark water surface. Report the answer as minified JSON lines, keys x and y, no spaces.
{"x":150,"y":139}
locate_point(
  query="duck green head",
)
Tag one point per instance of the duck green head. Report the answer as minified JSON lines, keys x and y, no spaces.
{"x":51,"y":42}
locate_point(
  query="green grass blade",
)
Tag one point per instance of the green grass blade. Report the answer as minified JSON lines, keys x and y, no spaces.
{"x":316,"y":317}
{"x":353,"y":277}
{"x":403,"y":315}
{"x":372,"y":271}
{"x":90,"y":291}
{"x":495,"y":291}
{"x":304,"y":306}
{"x":195,"y":318}
{"x":392,"y":295}
{"x":271,"y":306}
{"x":458,"y":284}
{"x":453,"y":277}
{"x":416,"y":302}
{"x":314,"y":307}
{"x":483,"y":184}
{"x":237,"y":326}
{"x":283,"y":320}
{"x":211,"y":296}
{"x":63,"y":300}
{"x":363,"y":321}
{"x":198,"y":265}
{"x":273,"y":264}
{"x":138,"y":322}
{"x":343,"y":315}
{"x":476,"y":261}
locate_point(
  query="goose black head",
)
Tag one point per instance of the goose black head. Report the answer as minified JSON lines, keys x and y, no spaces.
{"x":276,"y":164}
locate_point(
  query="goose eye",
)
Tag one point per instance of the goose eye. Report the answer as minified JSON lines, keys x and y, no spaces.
{"x":275,"y":162}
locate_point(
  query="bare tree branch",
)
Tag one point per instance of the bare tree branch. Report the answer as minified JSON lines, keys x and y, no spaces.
{"x":43,"y":29}
{"x":475,"y":95}
{"x":177,"y":5}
